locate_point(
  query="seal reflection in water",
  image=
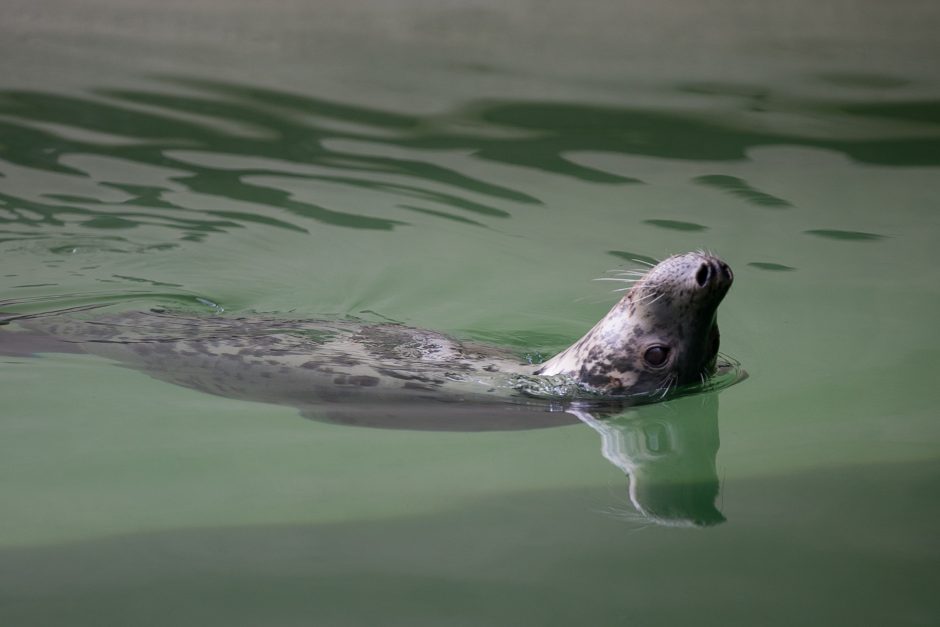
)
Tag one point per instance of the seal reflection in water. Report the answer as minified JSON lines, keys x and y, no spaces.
{"x":668,"y":452}
{"x":662,"y":335}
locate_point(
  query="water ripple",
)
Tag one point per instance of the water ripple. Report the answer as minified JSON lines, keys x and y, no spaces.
{"x":165,"y":154}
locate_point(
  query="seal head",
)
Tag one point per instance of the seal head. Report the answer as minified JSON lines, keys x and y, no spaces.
{"x":661,"y":335}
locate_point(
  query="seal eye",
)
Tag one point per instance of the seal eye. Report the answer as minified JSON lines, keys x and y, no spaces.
{"x":656,"y":356}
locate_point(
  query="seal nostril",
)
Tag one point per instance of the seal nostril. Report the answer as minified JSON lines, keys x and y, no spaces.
{"x":701,"y":277}
{"x":726,"y":271}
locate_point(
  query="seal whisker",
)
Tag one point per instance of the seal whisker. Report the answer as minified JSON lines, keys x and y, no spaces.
{"x":666,"y":384}
{"x":665,"y":390}
{"x":649,"y":296}
{"x":644,"y":298}
{"x":652,"y":282}
{"x":635,"y":277}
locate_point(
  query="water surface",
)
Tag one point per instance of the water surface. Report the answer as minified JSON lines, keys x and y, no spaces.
{"x":471,"y":170}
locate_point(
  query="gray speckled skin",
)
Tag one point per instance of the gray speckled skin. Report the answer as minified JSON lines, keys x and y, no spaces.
{"x":394,"y":376}
{"x":344,"y":371}
{"x":673,"y":306}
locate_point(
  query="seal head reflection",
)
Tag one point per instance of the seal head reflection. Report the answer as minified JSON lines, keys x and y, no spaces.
{"x":668,"y":453}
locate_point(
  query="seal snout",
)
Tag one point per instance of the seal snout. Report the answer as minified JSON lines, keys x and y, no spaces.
{"x":713,"y":272}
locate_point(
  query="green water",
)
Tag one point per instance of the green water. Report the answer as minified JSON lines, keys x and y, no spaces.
{"x":471,"y":168}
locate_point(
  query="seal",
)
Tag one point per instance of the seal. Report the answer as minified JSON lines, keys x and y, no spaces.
{"x":661,"y":335}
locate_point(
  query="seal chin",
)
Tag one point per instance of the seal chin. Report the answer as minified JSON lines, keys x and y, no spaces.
{"x":662,"y":334}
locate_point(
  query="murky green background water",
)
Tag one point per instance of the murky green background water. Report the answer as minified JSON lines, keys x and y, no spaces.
{"x":471,"y":167}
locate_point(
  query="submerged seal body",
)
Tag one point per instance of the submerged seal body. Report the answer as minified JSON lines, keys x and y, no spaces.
{"x":661,"y":335}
